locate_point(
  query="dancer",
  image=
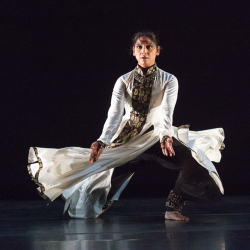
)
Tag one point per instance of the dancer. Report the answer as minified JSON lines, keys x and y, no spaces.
{"x":148,"y":95}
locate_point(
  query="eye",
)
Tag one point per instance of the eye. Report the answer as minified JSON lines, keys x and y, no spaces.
{"x":139,"y":47}
{"x":149,"y":46}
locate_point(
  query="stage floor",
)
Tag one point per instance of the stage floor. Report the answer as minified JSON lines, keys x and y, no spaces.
{"x":129,"y":224}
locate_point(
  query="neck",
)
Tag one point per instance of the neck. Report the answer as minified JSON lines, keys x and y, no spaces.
{"x":145,"y":69}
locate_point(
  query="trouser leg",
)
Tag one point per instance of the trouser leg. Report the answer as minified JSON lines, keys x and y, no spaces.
{"x":193,"y":183}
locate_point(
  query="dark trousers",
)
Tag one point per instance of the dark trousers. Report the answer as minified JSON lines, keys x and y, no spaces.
{"x":193,"y":183}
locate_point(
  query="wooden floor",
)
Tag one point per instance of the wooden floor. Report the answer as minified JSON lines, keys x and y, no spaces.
{"x":128,"y":224}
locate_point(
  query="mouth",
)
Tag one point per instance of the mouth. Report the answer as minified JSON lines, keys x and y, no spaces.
{"x":144,"y":58}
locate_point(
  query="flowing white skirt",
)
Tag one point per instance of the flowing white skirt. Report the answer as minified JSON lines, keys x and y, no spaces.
{"x":84,"y":186}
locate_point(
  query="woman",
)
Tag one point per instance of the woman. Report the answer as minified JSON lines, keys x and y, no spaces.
{"x":148,"y":95}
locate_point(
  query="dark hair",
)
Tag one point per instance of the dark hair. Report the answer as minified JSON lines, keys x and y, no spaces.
{"x":153,"y":37}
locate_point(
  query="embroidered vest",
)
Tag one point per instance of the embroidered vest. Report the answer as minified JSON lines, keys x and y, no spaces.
{"x":141,"y":96}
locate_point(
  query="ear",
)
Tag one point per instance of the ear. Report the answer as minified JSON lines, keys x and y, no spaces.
{"x":134,"y":51}
{"x":158,"y":50}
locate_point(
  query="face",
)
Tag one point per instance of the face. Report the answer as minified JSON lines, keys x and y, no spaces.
{"x":145,"y":52}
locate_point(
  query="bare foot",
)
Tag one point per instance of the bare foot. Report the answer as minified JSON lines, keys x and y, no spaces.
{"x":175,"y":215}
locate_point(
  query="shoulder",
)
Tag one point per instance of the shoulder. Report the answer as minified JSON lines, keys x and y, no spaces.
{"x":166,"y":77}
{"x":126,"y":77}
{"x":123,"y":81}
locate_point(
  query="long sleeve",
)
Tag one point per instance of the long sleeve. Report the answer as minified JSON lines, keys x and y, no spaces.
{"x":167,"y":107}
{"x":115,"y":112}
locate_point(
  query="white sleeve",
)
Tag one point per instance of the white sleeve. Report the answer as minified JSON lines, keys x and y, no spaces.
{"x":167,"y":107}
{"x":115,"y":112}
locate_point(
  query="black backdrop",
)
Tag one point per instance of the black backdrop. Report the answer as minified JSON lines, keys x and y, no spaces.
{"x":60,"y":60}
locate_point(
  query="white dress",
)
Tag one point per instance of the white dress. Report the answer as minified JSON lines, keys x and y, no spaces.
{"x":84,"y":186}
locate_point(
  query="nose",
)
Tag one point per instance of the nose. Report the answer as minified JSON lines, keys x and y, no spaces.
{"x":144,"y":50}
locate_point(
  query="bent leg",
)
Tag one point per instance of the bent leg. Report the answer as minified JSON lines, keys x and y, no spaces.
{"x":194,"y":182}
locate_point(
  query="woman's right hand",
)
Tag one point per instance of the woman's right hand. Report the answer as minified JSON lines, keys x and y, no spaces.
{"x":97,"y":149}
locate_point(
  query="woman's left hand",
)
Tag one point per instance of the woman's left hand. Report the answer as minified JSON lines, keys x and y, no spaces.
{"x":167,"y":147}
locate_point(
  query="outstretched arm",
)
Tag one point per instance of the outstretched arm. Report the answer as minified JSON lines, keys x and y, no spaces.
{"x":112,"y":123}
{"x":115,"y":112}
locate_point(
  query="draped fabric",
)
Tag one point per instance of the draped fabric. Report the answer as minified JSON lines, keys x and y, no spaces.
{"x":84,"y":187}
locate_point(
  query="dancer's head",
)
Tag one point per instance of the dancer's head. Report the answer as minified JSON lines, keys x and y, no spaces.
{"x":145,"y":48}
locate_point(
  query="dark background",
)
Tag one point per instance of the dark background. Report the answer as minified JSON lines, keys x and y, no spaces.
{"x":60,"y":60}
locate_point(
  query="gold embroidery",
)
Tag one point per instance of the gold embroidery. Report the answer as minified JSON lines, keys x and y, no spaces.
{"x":184,"y":126}
{"x":141,"y":96}
{"x":35,"y":179}
{"x":175,"y":201}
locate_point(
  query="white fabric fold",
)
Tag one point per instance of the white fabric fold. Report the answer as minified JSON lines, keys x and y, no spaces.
{"x":85,"y":187}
